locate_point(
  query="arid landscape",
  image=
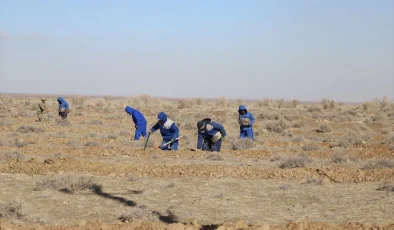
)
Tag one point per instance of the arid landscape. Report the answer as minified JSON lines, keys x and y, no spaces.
{"x":323,"y":165}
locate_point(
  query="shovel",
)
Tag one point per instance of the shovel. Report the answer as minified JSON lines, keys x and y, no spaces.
{"x":146,"y":141}
{"x":164,"y":145}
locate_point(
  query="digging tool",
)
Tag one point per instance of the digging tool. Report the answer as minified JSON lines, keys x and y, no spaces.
{"x":146,"y":141}
{"x":164,"y":145}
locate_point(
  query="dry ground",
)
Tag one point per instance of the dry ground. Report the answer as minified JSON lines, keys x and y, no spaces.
{"x":312,"y":166}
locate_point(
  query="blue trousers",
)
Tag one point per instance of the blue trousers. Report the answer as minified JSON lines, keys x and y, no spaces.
{"x":246,"y":133}
{"x":172,"y":146}
{"x":210,"y":146}
{"x":140,"y":131}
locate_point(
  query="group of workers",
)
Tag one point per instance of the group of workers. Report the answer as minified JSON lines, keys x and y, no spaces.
{"x":210,"y":133}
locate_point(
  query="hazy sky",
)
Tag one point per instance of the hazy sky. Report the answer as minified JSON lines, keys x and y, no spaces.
{"x":304,"y":49}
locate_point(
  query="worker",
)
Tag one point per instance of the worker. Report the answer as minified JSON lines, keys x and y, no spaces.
{"x":210,"y":135}
{"x":41,"y":108}
{"x":245,"y":120}
{"x":139,"y":122}
{"x":63,"y":107}
{"x":168,"y":130}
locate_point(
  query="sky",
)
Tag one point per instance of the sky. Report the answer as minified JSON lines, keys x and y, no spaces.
{"x":252,"y":49}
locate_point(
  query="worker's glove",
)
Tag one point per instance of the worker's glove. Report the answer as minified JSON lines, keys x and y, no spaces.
{"x":222,"y":138}
{"x":150,"y":132}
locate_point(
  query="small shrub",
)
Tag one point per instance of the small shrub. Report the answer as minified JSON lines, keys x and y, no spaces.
{"x":215,"y":157}
{"x":170,"y":185}
{"x":11,"y":210}
{"x":314,"y":109}
{"x":310,"y":147}
{"x":285,"y":187}
{"x":20,"y":143}
{"x":222,"y":102}
{"x":96,"y":122}
{"x":112,"y":137}
{"x":338,"y":158}
{"x":323,"y":129}
{"x":77,"y":101}
{"x":139,"y":213}
{"x":29,"y":129}
{"x":382,"y":163}
{"x":68,"y":183}
{"x":327,"y":104}
{"x":277,"y":126}
{"x":314,"y":181}
{"x":295,"y":103}
{"x":91,"y":144}
{"x":295,"y":162}
{"x":243,"y":144}
{"x":386,"y":186}
{"x":12,"y":156}
{"x":63,"y":122}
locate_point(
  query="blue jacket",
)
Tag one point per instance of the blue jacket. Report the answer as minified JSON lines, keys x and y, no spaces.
{"x":211,"y":128}
{"x":248,"y":115}
{"x":137,"y":116}
{"x":168,"y":128}
{"x":62,"y":103}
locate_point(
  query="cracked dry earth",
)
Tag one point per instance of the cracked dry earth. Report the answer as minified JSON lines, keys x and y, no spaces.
{"x":88,"y":174}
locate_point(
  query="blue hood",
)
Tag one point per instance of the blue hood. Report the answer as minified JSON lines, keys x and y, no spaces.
{"x":60,"y":100}
{"x":162,"y":117}
{"x":128,"y":110}
{"x":242,"y":107}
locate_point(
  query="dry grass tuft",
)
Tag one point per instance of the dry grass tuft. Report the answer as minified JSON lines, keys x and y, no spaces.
{"x":382,"y":163}
{"x":12,"y":156}
{"x":66,"y":183}
{"x":63,"y":122}
{"x":243,"y":144}
{"x":327,"y":104}
{"x":295,"y":162}
{"x":386,"y":186}
{"x":277,"y":126}
{"x":215,"y":157}
{"x":139,"y":213}
{"x":314,"y":181}
{"x":29,"y":129}
{"x":310,"y":147}
{"x":11,"y":210}
{"x":323,"y":129}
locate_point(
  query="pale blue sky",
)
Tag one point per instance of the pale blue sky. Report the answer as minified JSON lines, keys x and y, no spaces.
{"x":302,"y":49}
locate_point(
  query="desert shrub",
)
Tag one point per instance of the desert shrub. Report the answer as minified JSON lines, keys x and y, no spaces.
{"x":314,"y":109}
{"x":199,"y":101}
{"x":20,"y":143}
{"x":112,"y":137}
{"x":91,"y":144}
{"x":183,"y":104}
{"x":215,"y":157}
{"x":222,"y":102}
{"x":310,"y":147}
{"x":339,"y":158}
{"x":11,"y":210}
{"x":382,"y":163}
{"x":327,"y":104}
{"x":314,"y":181}
{"x":243,"y":144}
{"x":323,"y":129}
{"x":295,"y":103}
{"x":379,"y":117}
{"x":295,"y":162}
{"x":78,"y":101}
{"x":63,"y":122}
{"x":277,"y":126}
{"x":285,"y":187}
{"x":95,"y":122}
{"x":386,"y":186}
{"x":170,"y":185}
{"x":12,"y":156}
{"x":68,"y":183}
{"x":29,"y":129}
{"x":139,"y":213}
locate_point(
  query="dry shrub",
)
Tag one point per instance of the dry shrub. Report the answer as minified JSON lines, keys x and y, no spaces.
{"x":340,"y":158}
{"x":12,"y":156}
{"x":327,"y":104}
{"x":91,"y":144}
{"x":63,"y":122}
{"x":29,"y":129}
{"x":310,"y":147}
{"x":139,"y":213}
{"x":382,"y":163}
{"x":11,"y":210}
{"x":222,"y":102}
{"x":323,"y":129}
{"x":96,"y":122}
{"x":295,"y":162}
{"x":386,"y":186}
{"x":314,"y":109}
{"x":314,"y":181}
{"x":243,"y":144}
{"x":215,"y":157}
{"x":65,"y":183}
{"x":277,"y":126}
{"x":183,"y":104}
{"x":295,"y":103}
{"x":170,"y":185}
{"x":20,"y":143}
{"x":78,"y":101}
